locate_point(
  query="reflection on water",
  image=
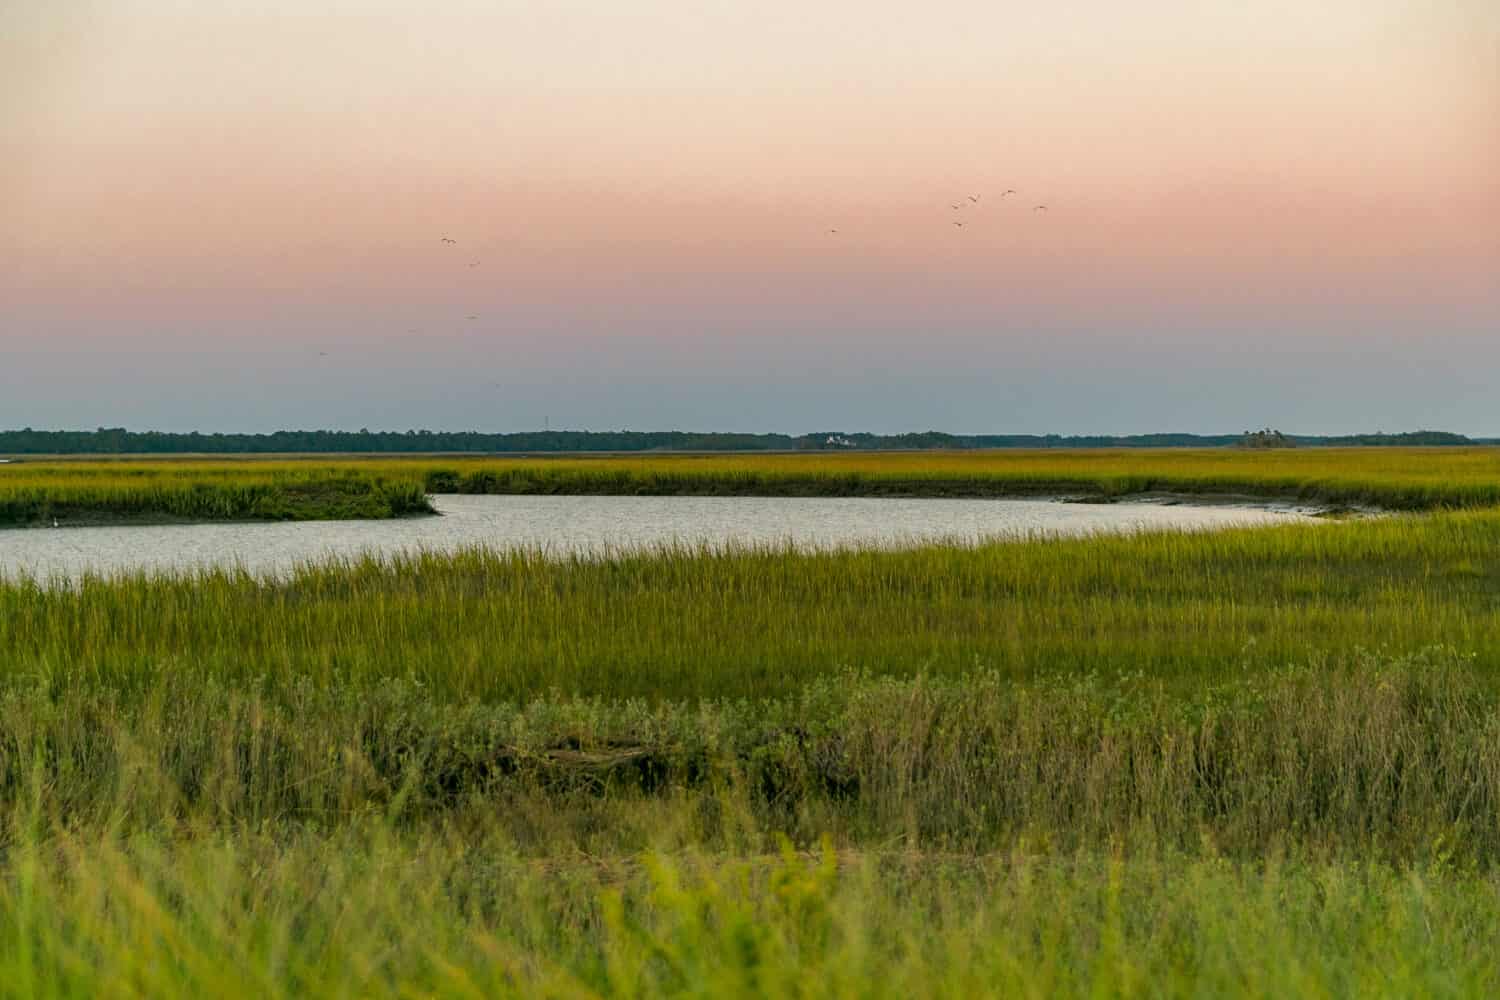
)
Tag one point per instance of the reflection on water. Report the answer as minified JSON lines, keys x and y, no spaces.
{"x":591,"y":525}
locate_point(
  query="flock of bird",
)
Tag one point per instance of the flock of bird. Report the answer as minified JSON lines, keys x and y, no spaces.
{"x":963,"y":203}
{"x":969,"y":201}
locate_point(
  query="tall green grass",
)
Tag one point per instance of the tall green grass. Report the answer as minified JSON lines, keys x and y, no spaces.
{"x":687,"y":623}
{"x":1082,"y":689}
{"x":1369,"y":758}
{"x":361,"y":912}
{"x":1316,"y":832}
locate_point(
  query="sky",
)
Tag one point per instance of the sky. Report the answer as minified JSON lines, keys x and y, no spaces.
{"x":713,"y":215}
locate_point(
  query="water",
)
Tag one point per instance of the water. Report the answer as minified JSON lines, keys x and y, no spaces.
{"x":592,"y":525}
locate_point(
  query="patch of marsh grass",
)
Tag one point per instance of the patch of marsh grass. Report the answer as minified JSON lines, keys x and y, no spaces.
{"x":1392,"y":478}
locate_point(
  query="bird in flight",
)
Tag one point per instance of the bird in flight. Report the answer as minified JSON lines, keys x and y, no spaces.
{"x":447,"y":240}
{"x":322,"y":354}
{"x":833,"y":230}
{"x":960,"y":225}
{"x":1040,"y":208}
{"x":956,"y":207}
{"x":473,"y":263}
{"x":472,"y":317}
{"x":1008,"y":193}
{"x":974,"y":198}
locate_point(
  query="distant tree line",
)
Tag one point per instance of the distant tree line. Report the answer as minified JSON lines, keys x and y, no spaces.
{"x":119,"y":441}
{"x":1267,"y":438}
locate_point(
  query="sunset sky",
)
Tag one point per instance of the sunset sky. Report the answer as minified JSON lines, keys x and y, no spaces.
{"x":229,"y":215}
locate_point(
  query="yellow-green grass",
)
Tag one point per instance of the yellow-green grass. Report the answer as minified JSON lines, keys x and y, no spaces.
{"x":1365,"y":757}
{"x":362,"y":912}
{"x":1075,"y":687}
{"x":688,"y":623}
{"x":1396,"y":478}
{"x":1402,"y":478}
{"x":99,"y":492}
{"x":1318,"y":833}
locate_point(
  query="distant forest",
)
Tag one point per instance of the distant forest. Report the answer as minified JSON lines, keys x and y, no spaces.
{"x":119,"y":441}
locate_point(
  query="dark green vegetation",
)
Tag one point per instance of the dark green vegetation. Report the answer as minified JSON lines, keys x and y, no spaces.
{"x":1268,"y":438}
{"x":119,"y":441}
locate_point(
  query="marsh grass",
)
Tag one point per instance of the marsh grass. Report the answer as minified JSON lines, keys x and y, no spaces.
{"x":1328,"y":830}
{"x":680,"y":623}
{"x":364,"y":912}
{"x":1392,"y":478}
{"x":76,"y":493}
{"x":1159,"y":687}
{"x":1258,"y":762}
{"x":1368,"y":758}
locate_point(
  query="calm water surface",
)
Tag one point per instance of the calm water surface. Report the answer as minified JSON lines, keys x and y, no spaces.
{"x":566,"y":525}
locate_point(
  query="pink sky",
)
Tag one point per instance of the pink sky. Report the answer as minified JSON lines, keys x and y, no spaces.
{"x":196,"y":199}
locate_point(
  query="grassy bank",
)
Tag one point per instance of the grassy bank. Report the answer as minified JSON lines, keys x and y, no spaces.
{"x":1183,"y":608}
{"x":1391,"y":478}
{"x":116,"y":492}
